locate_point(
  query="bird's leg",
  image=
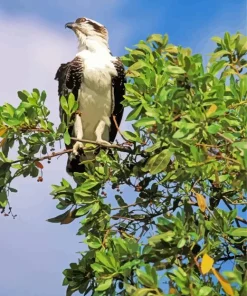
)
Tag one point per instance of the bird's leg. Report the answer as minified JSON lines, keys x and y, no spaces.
{"x":78,"y":132}
{"x":99,"y":133}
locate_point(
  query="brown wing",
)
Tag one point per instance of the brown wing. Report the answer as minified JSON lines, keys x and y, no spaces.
{"x":118,"y":93}
{"x":69,"y":78}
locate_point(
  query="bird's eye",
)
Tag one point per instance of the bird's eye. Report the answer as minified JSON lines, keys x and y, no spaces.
{"x":81,"y":20}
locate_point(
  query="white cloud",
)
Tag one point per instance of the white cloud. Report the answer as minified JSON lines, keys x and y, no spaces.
{"x":33,"y":251}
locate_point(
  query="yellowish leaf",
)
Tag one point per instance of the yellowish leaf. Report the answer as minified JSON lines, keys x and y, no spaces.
{"x":201,"y":202}
{"x":69,"y":218}
{"x":2,"y":142}
{"x":171,"y":48}
{"x":3,"y":130}
{"x":224,"y":283}
{"x":211,"y":110}
{"x":172,"y":291}
{"x":207,"y":263}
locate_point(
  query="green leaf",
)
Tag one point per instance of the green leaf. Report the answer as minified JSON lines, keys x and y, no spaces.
{"x":216,"y":39}
{"x":227,"y":40}
{"x":181,"y":243}
{"x":138,"y":65}
{"x":10,"y":109}
{"x":145,"y":279}
{"x":133,"y":115}
{"x":241,"y":232}
{"x":145,"y":121}
{"x":97,"y":267}
{"x":83,"y":210}
{"x":155,"y":37}
{"x":12,"y":189}
{"x":120,"y":201}
{"x":167,"y":237}
{"x":165,"y":40}
{"x":61,"y":127}
{"x":3,"y":199}
{"x":144,"y":47}
{"x":159,"y":162}
{"x":59,"y":218}
{"x":81,"y":198}
{"x":88,"y":184}
{"x":93,"y":242}
{"x":174,"y":70}
{"x":95,"y":208}
{"x":67,"y":139}
{"x":171,"y":48}
{"x":214,"y":128}
{"x":218,"y":55}
{"x":130,"y":136}
{"x":64,"y":104}
{"x":71,"y":101}
{"x":217,"y":66}
{"x":43,"y":96}
{"x":234,"y":277}
{"x":243,"y":86}
{"x":104,"y":259}
{"x":23,"y":95}
{"x":204,"y":291}
{"x":180,"y":133}
{"x":142,"y":292}
{"x":155,"y":146}
{"x":241,"y":145}
{"x":242,"y":45}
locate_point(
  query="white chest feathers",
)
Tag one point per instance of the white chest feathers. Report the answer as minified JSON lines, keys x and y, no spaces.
{"x":95,"y":97}
{"x":98,"y":70}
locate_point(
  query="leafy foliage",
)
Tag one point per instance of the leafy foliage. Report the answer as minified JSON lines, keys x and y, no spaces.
{"x":176,"y":190}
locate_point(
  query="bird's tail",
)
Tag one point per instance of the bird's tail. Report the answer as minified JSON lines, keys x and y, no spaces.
{"x":74,"y":161}
{"x":74,"y":165}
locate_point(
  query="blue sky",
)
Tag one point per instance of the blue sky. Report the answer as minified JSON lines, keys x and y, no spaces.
{"x":33,"y":44}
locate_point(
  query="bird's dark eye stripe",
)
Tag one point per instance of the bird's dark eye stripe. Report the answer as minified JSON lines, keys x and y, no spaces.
{"x":96,"y":27}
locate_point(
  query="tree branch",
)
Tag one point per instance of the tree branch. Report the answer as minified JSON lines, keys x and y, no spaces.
{"x":225,"y":138}
{"x":54,"y":154}
{"x":241,"y":220}
{"x":114,"y":146}
{"x":35,"y":129}
{"x":49,"y":156}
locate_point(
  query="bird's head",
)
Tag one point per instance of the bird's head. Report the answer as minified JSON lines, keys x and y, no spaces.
{"x":89,"y":31}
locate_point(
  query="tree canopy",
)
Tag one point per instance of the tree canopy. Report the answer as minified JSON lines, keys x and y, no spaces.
{"x":163,"y":214}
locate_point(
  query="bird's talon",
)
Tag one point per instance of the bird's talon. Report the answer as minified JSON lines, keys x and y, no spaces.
{"x":78,"y":148}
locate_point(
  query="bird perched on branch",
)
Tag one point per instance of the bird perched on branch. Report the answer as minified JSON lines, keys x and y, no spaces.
{"x":96,"y":78}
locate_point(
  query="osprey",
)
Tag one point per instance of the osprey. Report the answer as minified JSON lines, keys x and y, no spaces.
{"x":96,"y":78}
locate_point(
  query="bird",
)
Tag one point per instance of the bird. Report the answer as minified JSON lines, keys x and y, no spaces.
{"x":97,"y":80}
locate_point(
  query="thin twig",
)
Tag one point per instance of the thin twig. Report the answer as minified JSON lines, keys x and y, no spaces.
{"x":124,"y":218}
{"x":227,"y":158}
{"x":228,"y":258}
{"x":36,"y":129}
{"x":241,"y":220}
{"x":117,"y":127}
{"x":225,"y":138}
{"x":54,"y":154}
{"x":206,"y":145}
{"x":127,"y":206}
{"x":228,"y":140}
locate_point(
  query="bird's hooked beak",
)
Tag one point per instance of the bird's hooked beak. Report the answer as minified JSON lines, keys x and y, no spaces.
{"x":70,"y":25}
